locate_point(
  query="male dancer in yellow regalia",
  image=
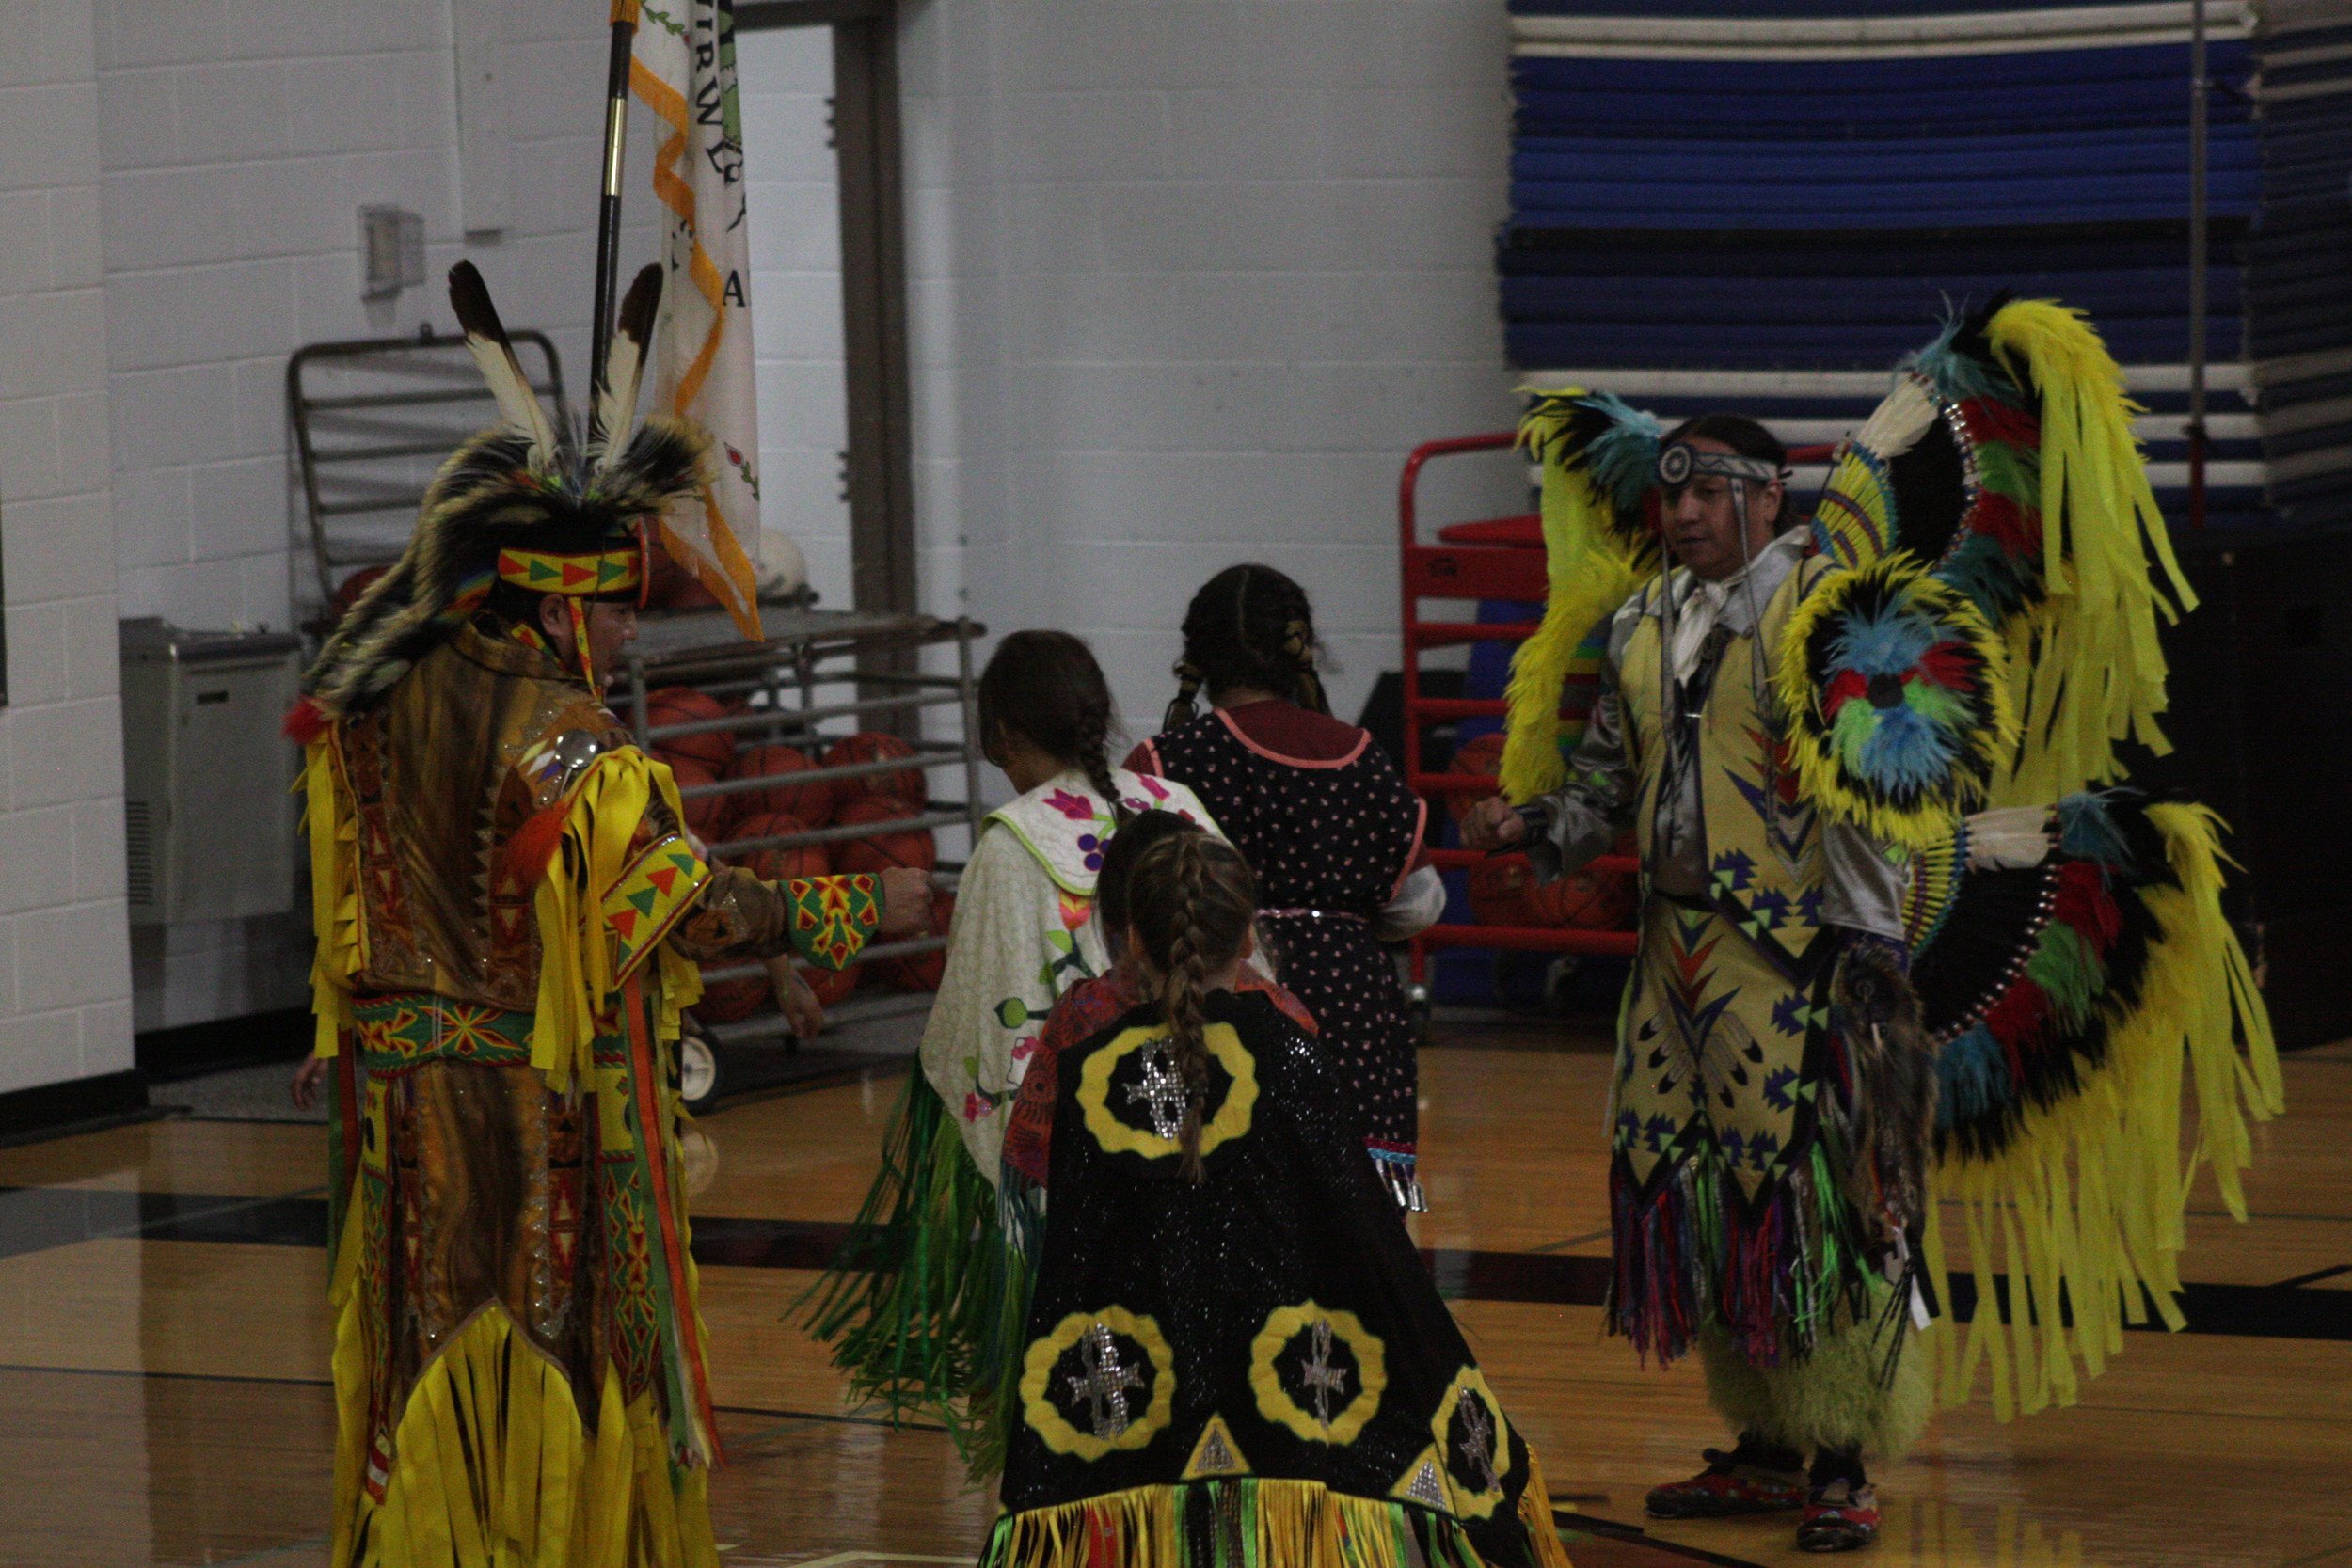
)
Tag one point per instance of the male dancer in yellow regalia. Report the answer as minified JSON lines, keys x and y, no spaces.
{"x":508,"y":914}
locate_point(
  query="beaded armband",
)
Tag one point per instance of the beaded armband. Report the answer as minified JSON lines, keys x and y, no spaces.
{"x":833,"y":916}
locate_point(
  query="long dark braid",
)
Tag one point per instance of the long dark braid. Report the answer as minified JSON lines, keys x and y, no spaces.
{"x":1191,"y":898}
{"x":1046,"y":687}
{"x":1250,"y":626}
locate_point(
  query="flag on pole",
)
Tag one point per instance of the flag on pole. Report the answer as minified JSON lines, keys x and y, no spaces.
{"x":684,"y":71}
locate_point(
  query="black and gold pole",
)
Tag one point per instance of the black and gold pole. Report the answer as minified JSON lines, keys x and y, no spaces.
{"x":609,"y":212}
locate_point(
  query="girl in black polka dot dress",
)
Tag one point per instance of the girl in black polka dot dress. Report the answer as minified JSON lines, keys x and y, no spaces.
{"x":1327,"y":822}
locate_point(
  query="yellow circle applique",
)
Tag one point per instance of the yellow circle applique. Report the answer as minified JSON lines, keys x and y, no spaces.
{"x":1144,"y":1136}
{"x":1329,"y":1412}
{"x":1476,"y":1461}
{"x":1103,"y":1389}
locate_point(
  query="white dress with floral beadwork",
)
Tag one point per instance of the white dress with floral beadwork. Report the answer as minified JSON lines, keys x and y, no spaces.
{"x":1023,"y":934}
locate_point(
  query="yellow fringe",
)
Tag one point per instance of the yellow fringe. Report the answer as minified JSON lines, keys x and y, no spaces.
{"x":1590,"y":572}
{"x":2090,"y":1197}
{"x":1300,"y":1524}
{"x":333,"y":828}
{"x":2092,"y":669}
{"x":493,"y":1468}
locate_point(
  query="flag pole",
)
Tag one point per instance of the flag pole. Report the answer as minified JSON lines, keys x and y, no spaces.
{"x":609,"y":211}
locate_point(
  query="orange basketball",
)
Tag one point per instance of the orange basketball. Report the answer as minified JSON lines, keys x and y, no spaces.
{"x":777,"y":862}
{"x":1480,"y":758}
{"x":913,"y":847}
{"x":922,"y":971}
{"x":832,"y":986}
{"x":728,"y":1000}
{"x":1498,"y":891}
{"x":872,"y":745}
{"x":1592,"y":901}
{"x":812,"y":803}
{"x":673,"y":586}
{"x":683,"y":705}
{"x":347,"y":593}
{"x":706,"y":815}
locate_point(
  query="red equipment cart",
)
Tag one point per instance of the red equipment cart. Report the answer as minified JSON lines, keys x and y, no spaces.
{"x":1495,"y":557}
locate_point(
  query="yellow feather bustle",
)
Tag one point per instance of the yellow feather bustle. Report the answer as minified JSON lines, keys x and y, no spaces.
{"x":1590,"y":570}
{"x":2087,"y":1199}
{"x":2090,"y":669}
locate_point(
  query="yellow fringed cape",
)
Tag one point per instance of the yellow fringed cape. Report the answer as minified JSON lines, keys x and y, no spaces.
{"x":494,"y":1453}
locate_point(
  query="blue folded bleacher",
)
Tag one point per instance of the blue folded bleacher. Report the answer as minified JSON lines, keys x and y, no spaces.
{"x":1764,"y":203}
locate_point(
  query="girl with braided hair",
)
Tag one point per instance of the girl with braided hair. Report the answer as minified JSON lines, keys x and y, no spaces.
{"x":917,"y":1314}
{"x":1327,"y":821}
{"x":1233,"y":1353}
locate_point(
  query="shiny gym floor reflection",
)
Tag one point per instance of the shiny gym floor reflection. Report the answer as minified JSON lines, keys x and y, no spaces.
{"x":163,"y":1350}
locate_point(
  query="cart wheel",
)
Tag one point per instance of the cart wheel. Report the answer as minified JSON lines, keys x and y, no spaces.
{"x":697,"y":1072}
{"x":1416,"y":1009}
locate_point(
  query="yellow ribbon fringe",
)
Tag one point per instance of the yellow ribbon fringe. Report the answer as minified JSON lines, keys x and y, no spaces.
{"x":493,"y":1466}
{"x":2092,"y":668}
{"x":1300,"y":1524}
{"x":2089,"y":1198}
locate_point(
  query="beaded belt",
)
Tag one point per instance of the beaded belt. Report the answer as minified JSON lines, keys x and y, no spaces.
{"x":404,"y":1029}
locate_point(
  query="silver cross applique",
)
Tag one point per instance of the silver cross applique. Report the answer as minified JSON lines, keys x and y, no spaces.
{"x":1327,"y":1380}
{"x":1478,"y":1446}
{"x":1105,"y":1384}
{"x":1162,"y":1091}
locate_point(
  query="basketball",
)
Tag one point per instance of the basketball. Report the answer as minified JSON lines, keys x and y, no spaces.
{"x":673,"y":586}
{"x":813,"y":803}
{"x":1588,"y":900}
{"x":833,"y":986}
{"x":706,"y":815}
{"x":922,"y":971}
{"x":777,"y":864}
{"x":683,"y":705}
{"x":347,"y":593}
{"x":1498,"y":891}
{"x":1479,"y":758}
{"x":913,"y":847}
{"x":729,"y":1000}
{"x":871,"y":746}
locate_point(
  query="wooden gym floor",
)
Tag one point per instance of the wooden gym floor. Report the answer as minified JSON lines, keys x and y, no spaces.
{"x":163,"y":1351}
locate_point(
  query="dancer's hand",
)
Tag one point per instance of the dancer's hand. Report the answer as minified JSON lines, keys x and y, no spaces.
{"x":1492,"y":824}
{"x":906,"y":903}
{"x":307,"y":1079}
{"x":802,"y":1013}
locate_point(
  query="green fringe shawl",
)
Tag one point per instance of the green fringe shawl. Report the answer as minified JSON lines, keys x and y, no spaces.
{"x":925,"y":1301}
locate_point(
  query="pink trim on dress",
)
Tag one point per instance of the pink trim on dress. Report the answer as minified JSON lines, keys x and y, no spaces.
{"x":1354,"y":752}
{"x":1151,"y":755}
{"x":1412,"y":852}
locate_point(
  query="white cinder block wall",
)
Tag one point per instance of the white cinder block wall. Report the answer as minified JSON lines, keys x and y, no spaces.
{"x":239,"y":139}
{"x":1190,"y":280}
{"x":65,"y":979}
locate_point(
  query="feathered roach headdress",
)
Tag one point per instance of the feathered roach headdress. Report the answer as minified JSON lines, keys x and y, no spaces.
{"x":522,"y":504}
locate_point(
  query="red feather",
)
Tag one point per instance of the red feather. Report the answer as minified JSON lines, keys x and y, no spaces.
{"x":1999,"y":518}
{"x":1991,"y":419}
{"x":1848,"y":685}
{"x":1949,"y":665}
{"x":2084,"y":902}
{"x":534,"y":845}
{"x":305,"y":723}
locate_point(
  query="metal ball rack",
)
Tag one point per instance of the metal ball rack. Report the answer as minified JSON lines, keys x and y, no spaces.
{"x":812,"y":668}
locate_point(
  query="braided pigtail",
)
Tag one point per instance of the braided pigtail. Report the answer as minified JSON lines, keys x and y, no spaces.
{"x":1186,"y":707}
{"x":1191,"y":898}
{"x":1298,"y":646}
{"x":1091,"y":739}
